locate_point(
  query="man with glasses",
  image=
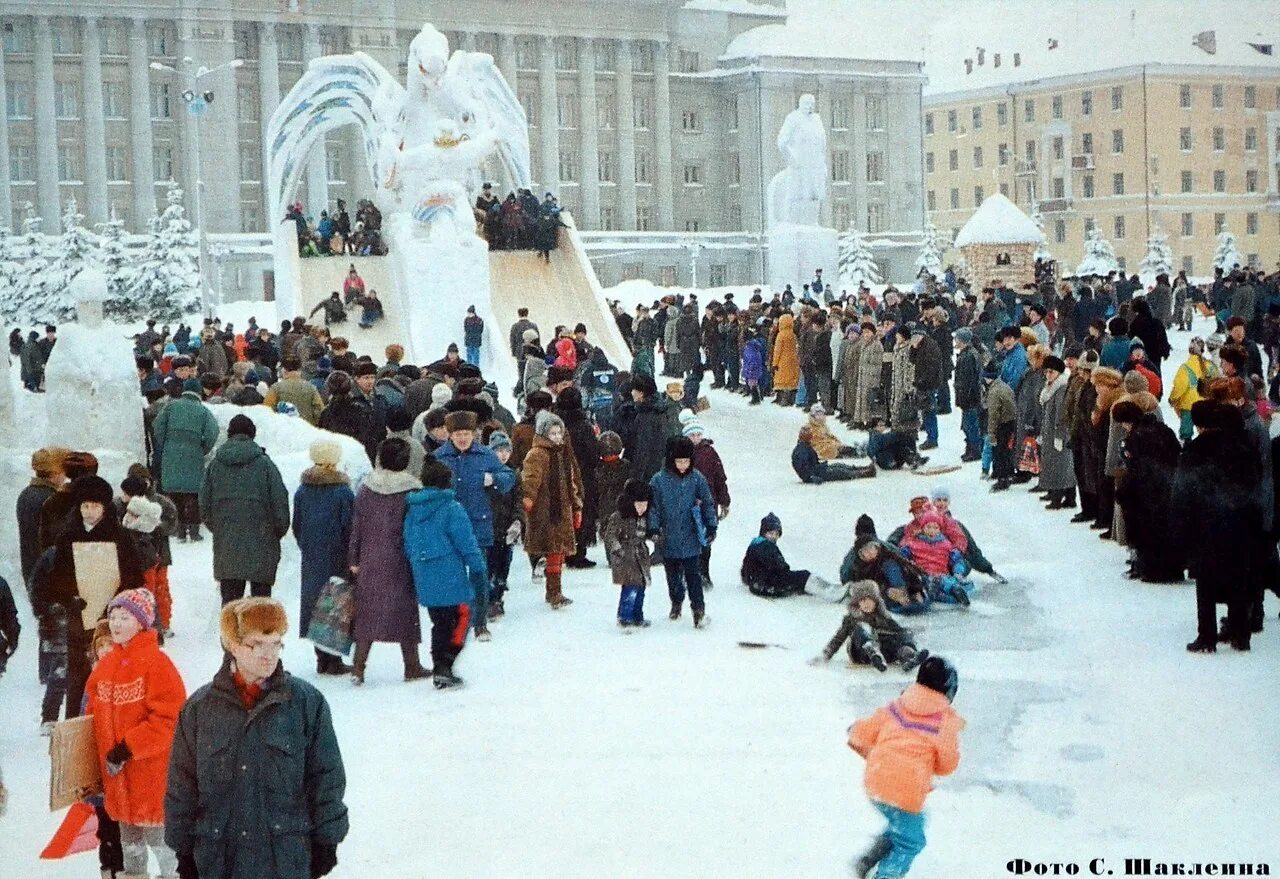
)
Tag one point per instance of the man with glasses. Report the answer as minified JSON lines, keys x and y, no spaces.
{"x":255,"y":775}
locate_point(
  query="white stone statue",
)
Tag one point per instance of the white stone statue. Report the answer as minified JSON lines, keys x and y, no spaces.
{"x":797,"y":192}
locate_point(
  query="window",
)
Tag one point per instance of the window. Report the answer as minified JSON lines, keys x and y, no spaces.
{"x":733,"y":113}
{"x":1188,"y":225}
{"x":1002,"y":154}
{"x":977,"y":196}
{"x":1250,"y":97}
{"x":250,"y":167}
{"x":159,"y":41}
{"x":568,"y":167}
{"x":875,"y":167}
{"x":114,"y":102}
{"x":1004,"y":189}
{"x":951,"y":121}
{"x":642,"y":218}
{"x":1184,"y":96}
{"x":1117,"y":98}
{"x":955,"y":198}
{"x":1219,"y":181}
{"x":667,"y":276}
{"x":606,"y":219}
{"x":116,"y":164}
{"x":632,"y":271}
{"x":17,"y":37}
{"x":160,"y":105}
{"x":1250,"y":140}
{"x":1219,"y":139}
{"x":1055,"y":106}
{"x":1251,"y":224}
{"x":1029,"y":110}
{"x":68,"y":162}
{"x":333,"y":162}
{"x":928,"y":123}
{"x":1059,"y":231}
{"x":290,"y":41}
{"x":1117,"y":184}
{"x":529,"y":102}
{"x":977,"y":157}
{"x":840,"y":215}
{"x":1121,"y":264}
{"x":930,"y":201}
{"x":242,"y":37}
{"x":1187,"y":264}
{"x":1086,"y":143}
{"x":1002,"y":114}
{"x":1117,"y":140}
{"x":840,"y":166}
{"x":1251,"y":180}
{"x":247,"y":103}
{"x":1187,"y":182}
{"x":566,"y":53}
{"x":1059,"y":187}
{"x":567,"y":111}
{"x":1030,"y":152}
{"x":1219,"y":223}
{"x":690,"y":121}
{"x":1086,"y":186}
{"x":693,"y":225}
{"x":1058,"y":149}
{"x":1118,"y":228}
{"x":735,"y":169}
{"x":689,"y":62}
{"x":526,"y":53}
{"x":1219,"y":97}
{"x":22,"y":163}
{"x":606,"y":59}
{"x":839,"y":114}
{"x":66,"y":99}
{"x":875,"y":217}
{"x":642,"y":112}
{"x":606,"y":168}
{"x":1086,"y":103}
{"x":977,"y":118}
{"x":1184,"y":139}
{"x":953,"y":160}
{"x":162,"y":162}
{"x":928,"y":163}
{"x":643,"y":162}
{"x":642,"y":57}
{"x":719,"y":275}
{"x":875,"y":114}
{"x":17,"y":100}
{"x":66,"y":38}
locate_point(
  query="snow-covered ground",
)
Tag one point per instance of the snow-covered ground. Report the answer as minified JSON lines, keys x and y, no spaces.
{"x":578,"y":751}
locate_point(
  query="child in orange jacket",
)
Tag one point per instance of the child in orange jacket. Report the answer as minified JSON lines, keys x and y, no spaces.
{"x":905,"y":744}
{"x":134,"y":695}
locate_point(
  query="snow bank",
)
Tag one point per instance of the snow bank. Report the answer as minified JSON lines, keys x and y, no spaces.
{"x":287,"y":439}
{"x":736,"y":7}
{"x":92,"y":388}
{"x":998,"y":221}
{"x":641,"y":292}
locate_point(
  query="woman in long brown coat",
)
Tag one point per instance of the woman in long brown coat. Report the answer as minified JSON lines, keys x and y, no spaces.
{"x":552,"y":501}
{"x":785,"y":361}
{"x":868,"y":402}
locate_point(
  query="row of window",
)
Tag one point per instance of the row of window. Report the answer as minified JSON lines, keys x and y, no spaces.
{"x":668,"y":276}
{"x":1218,"y":96}
{"x":65,"y":36}
{"x":20,"y":102}
{"x":22,"y":163}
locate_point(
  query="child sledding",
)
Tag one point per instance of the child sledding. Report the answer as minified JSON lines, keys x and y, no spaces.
{"x":905,"y":584}
{"x":872,"y":634}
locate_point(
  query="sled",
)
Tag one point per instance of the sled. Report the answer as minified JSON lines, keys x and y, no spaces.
{"x":74,"y":772}
{"x":77,"y":833}
{"x":333,"y":617}
{"x":761,"y":645}
{"x":935,"y":470}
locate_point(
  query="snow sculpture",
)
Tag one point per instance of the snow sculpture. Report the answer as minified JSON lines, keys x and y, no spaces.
{"x":426,"y":144}
{"x":92,"y":384}
{"x":798,"y":244}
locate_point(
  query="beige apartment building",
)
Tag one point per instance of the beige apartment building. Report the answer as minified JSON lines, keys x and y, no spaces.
{"x":1188,"y":148}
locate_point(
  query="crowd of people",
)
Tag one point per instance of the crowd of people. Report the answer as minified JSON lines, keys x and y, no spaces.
{"x":1059,"y":388}
{"x":334,"y":234}
{"x":520,"y":221}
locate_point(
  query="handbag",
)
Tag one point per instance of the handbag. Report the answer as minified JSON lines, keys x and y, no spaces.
{"x":333,"y":618}
{"x":1029,"y":460}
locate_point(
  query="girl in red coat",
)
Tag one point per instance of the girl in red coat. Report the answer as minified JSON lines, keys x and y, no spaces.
{"x":134,"y":695}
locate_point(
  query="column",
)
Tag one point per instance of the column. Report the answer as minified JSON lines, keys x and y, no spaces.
{"x":96,"y":208}
{"x":626,"y":139}
{"x":269,"y":99}
{"x":550,"y":121}
{"x":662,"y":136}
{"x":6,"y":205}
{"x":507,"y":59}
{"x":590,"y":170}
{"x":46,"y":127}
{"x":317,"y":167}
{"x":140,"y":143}
{"x":189,"y":127}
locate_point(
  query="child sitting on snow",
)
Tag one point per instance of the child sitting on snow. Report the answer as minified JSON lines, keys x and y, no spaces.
{"x":625,"y":540}
{"x":902,"y":583}
{"x":767,"y":574}
{"x":824,"y":442}
{"x":811,"y":469}
{"x":872,"y":634}
{"x":938,"y":557}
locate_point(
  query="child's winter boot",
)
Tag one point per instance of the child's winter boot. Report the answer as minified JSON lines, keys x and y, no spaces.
{"x":874,"y":855}
{"x":910,"y":658}
{"x":700,"y":618}
{"x":825,"y":589}
{"x":877,"y":660}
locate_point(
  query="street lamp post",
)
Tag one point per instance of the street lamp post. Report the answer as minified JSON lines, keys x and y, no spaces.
{"x":197,"y":105}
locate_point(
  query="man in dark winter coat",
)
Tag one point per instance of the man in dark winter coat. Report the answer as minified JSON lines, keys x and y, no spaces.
{"x":281,"y":816}
{"x":47,"y":467}
{"x":475,"y":468}
{"x":1150,"y":452}
{"x":515,"y":338}
{"x":968,"y":386}
{"x":815,"y":362}
{"x":350,"y":413}
{"x":1150,"y":330}
{"x":927,"y":360}
{"x":644,"y":427}
{"x":581,"y":438}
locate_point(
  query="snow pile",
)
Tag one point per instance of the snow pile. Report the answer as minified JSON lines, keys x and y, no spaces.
{"x":629,"y":294}
{"x":999,"y":221}
{"x":287,"y":439}
{"x":813,"y":39}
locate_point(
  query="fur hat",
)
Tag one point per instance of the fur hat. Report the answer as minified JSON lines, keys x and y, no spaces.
{"x":610,"y":443}
{"x":1088,"y":361}
{"x":940,"y":676}
{"x":441,"y":393}
{"x":805,"y":435}
{"x":1126,"y":412}
{"x":76,"y":464}
{"x":645,"y":384}
{"x":265,"y":616}
{"x":1055,"y":363}
{"x":570,"y":399}
{"x":325,"y":453}
{"x":558,"y":374}
{"x":633,"y":490}
{"x":242,"y":425}
{"x":338,"y":384}
{"x":679,"y":447}
{"x":139,"y":602}
{"x":918,"y":505}
{"x":394,"y":352}
{"x":365,"y":367}
{"x":1134,"y":382}
{"x":499,"y":440}
{"x":529,"y":335}
{"x":964,"y":334}
{"x":770,"y":522}
{"x":462,"y":420}
{"x":142,"y":514}
{"x":48,"y":461}
{"x":545,"y":421}
{"x":92,"y":489}
{"x":537,"y":401}
{"x":133,"y":486}
{"x":818,"y":410}
{"x":865,"y":589}
{"x":1105,"y":376}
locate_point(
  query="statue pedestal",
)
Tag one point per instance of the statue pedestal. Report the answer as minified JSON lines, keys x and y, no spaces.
{"x":795,"y":251}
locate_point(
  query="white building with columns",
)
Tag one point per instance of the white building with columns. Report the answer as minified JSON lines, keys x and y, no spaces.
{"x":653,"y":120}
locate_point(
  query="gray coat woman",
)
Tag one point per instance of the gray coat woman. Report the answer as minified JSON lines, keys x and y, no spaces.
{"x":1057,"y":471}
{"x":1028,"y":405}
{"x":869,"y":372}
{"x":904,"y":408}
{"x":671,"y":340}
{"x":850,"y":352}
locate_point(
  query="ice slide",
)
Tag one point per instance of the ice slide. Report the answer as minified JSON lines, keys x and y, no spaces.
{"x":565,"y":291}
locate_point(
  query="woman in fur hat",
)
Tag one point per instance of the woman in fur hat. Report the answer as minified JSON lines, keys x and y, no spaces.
{"x":552,"y":500}
{"x":1057,"y":473}
{"x":322,"y":510}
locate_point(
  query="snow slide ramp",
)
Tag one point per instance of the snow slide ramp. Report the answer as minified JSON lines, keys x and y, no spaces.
{"x":318,"y":276}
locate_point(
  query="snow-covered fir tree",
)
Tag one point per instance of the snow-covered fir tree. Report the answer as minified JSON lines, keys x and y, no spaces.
{"x":857,"y":264}
{"x":167,"y":283}
{"x":1227,"y":255}
{"x":10,"y":263}
{"x":76,"y":249}
{"x":117,"y":265}
{"x":1099,"y":255}
{"x":1159,"y":258}
{"x":931,"y":251}
{"x":32,"y":252}
{"x":1042,"y":251}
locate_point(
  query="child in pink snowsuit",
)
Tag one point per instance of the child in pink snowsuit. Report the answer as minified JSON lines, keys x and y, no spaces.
{"x":938,"y":557}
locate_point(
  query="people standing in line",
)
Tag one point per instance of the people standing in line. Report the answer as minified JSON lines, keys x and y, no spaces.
{"x":322,"y":511}
{"x":184,"y":434}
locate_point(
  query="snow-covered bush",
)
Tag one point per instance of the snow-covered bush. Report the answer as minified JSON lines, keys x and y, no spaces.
{"x":857,"y":264}
{"x":1099,"y":256}
{"x":1227,"y":255}
{"x":166,"y":285}
{"x":1159,"y":258}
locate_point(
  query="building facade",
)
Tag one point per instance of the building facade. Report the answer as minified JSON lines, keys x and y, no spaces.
{"x":1190,"y":150}
{"x":643,"y":117}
